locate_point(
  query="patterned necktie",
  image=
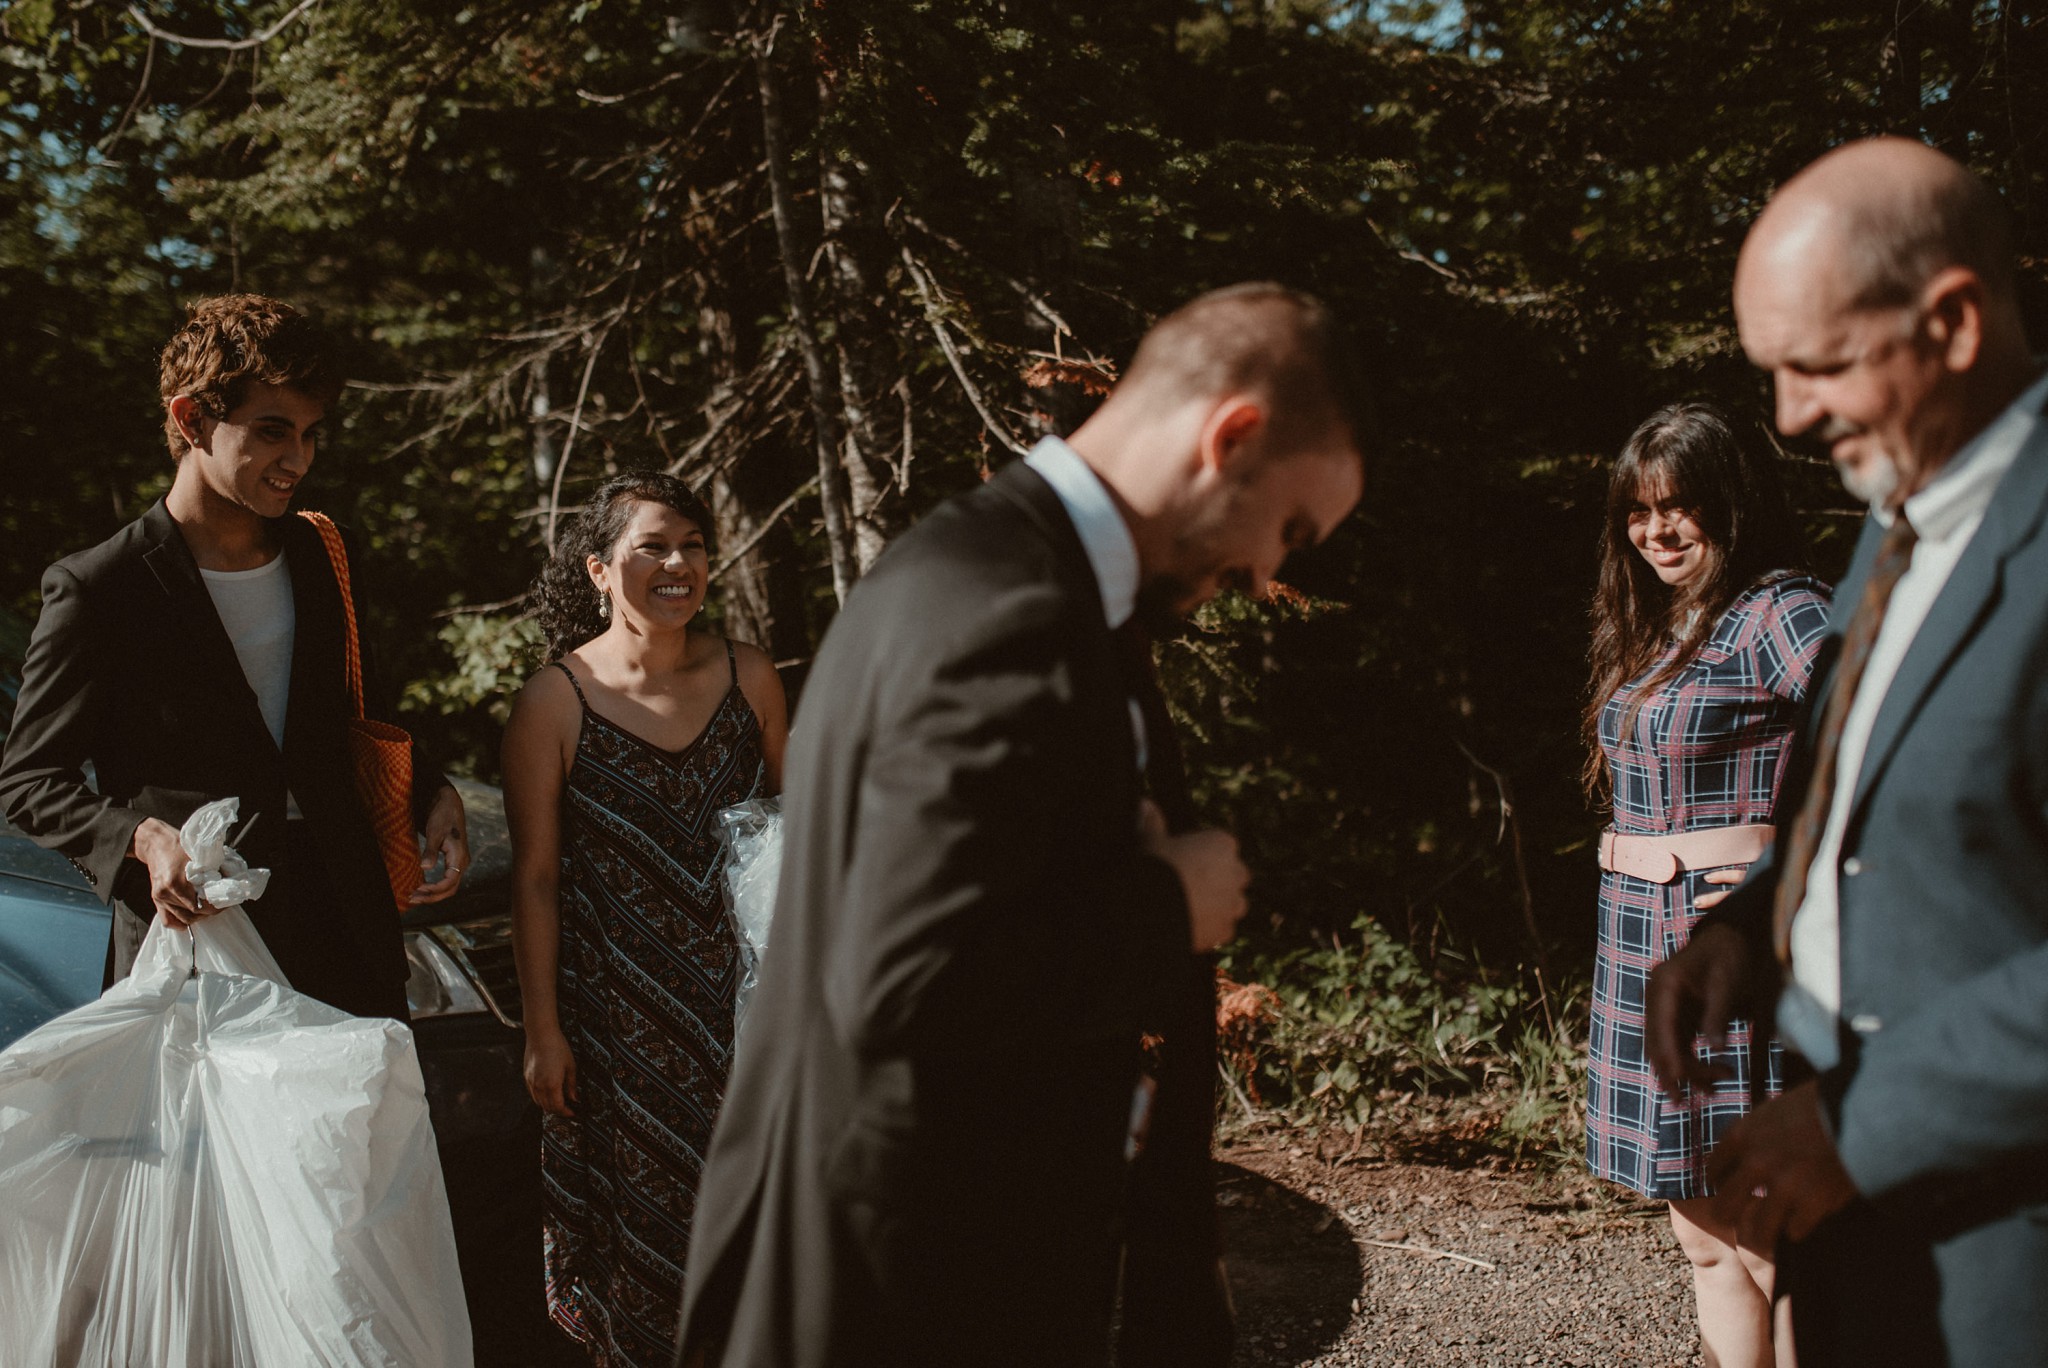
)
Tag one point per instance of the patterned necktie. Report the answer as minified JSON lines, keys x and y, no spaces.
{"x":1894,"y":554}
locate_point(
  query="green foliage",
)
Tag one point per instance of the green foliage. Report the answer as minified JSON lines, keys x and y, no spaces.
{"x":1361,"y":1022}
{"x":494,"y":654}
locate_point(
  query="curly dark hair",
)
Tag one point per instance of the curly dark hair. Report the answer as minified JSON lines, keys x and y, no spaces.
{"x":1732,"y":489}
{"x":230,"y":341}
{"x":565,"y":600}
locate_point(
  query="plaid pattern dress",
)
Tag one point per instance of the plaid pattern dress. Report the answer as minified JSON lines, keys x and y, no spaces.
{"x":649,"y":962}
{"x":1707,"y":750}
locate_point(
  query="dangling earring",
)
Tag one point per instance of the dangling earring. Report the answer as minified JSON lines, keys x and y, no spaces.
{"x":604,"y":604}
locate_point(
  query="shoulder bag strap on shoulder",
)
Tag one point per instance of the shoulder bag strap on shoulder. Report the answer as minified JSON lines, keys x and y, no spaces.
{"x":337,"y":556}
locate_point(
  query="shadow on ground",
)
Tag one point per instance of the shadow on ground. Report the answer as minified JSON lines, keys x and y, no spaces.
{"x":1294,"y":1269}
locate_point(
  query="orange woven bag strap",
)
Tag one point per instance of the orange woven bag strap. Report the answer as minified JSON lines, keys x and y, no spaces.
{"x":337,"y":555}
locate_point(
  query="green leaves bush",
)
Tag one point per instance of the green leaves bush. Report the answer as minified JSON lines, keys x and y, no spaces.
{"x":1362,"y":1023}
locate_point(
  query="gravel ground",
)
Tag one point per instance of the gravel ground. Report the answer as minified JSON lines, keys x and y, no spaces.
{"x":1557,"y":1269}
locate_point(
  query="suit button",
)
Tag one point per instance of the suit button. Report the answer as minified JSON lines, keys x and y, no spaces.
{"x":1852,"y":866}
{"x":1863,"y":1023}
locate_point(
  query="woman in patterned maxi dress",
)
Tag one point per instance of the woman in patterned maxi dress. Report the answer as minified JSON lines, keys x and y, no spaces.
{"x":617,"y":757}
{"x":1704,"y":638}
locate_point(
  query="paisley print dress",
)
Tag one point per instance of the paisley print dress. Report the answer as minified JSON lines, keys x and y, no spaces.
{"x":648,"y":965}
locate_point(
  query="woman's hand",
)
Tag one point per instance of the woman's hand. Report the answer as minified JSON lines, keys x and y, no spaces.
{"x":550,"y":1071}
{"x":1720,"y":876}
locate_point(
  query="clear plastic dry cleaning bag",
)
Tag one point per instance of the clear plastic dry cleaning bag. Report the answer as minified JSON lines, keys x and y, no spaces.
{"x":753,"y":866}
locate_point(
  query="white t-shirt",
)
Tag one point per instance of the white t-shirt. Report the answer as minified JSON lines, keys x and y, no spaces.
{"x":256,"y":608}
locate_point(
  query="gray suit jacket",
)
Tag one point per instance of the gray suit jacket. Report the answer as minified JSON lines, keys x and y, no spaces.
{"x":920,"y":1156}
{"x":1935,"y":1073}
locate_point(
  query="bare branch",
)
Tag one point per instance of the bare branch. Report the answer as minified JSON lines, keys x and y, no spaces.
{"x":927,"y":292}
{"x":474,"y":609}
{"x":1429,"y":1253}
{"x":903,"y":467}
{"x":569,"y":444}
{"x":598,"y":97}
{"x":224,"y":44}
{"x":141,"y":89}
{"x":1511,"y":826}
{"x":765,"y":526}
{"x":1029,"y":295}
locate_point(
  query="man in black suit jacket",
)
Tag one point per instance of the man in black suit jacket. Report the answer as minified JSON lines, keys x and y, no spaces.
{"x":921,"y":1155}
{"x":1904,"y":908}
{"x":198,"y":654}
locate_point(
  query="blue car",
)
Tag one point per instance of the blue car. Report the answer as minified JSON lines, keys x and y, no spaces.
{"x":464,"y":996}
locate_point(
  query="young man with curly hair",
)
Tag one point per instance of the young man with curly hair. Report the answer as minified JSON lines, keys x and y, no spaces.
{"x":199,"y":654}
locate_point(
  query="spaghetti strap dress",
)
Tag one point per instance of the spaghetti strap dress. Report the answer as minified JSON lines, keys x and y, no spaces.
{"x":1707,"y":749}
{"x":648,"y":965}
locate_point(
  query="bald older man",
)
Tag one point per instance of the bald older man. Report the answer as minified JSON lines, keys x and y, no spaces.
{"x":1903,"y":914}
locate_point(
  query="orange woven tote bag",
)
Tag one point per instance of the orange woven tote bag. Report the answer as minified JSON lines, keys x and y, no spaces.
{"x":379,"y":753}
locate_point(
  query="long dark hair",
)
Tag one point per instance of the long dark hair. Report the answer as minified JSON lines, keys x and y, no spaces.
{"x":1732,"y":490}
{"x":566,"y":602}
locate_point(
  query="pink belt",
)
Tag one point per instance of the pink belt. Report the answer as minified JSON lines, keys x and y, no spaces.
{"x":1660,"y":859}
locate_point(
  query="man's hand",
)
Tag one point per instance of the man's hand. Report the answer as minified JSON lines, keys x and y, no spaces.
{"x":447,"y":833}
{"x":1777,"y":1171}
{"x":1695,"y":990}
{"x":156,"y":845}
{"x":1209,"y":870}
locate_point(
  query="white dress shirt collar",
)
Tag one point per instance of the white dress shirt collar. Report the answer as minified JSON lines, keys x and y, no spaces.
{"x":1112,"y":555}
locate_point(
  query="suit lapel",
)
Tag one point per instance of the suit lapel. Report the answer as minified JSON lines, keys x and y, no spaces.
{"x":1028,"y":489}
{"x":1964,"y":602}
{"x":196,"y":624}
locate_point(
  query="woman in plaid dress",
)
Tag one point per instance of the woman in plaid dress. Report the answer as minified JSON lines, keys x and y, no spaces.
{"x":1705,"y":633}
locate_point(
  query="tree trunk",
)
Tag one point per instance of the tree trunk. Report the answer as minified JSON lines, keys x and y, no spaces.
{"x":749,"y":613}
{"x":865,"y":372}
{"x":540,"y":403}
{"x":819,"y":380}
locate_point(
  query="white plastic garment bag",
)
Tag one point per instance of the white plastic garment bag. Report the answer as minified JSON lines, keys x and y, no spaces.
{"x":753,"y":870}
{"x":205,"y":1169}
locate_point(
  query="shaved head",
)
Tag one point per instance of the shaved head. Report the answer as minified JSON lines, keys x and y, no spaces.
{"x":1235,"y":438}
{"x":1256,"y":338}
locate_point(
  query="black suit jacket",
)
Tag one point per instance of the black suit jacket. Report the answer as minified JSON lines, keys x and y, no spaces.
{"x":131,"y":673}
{"x":920,"y":1157}
{"x":1935,"y":1071}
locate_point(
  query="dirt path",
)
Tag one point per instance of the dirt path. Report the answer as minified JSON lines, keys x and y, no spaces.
{"x":1559,"y":1270}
